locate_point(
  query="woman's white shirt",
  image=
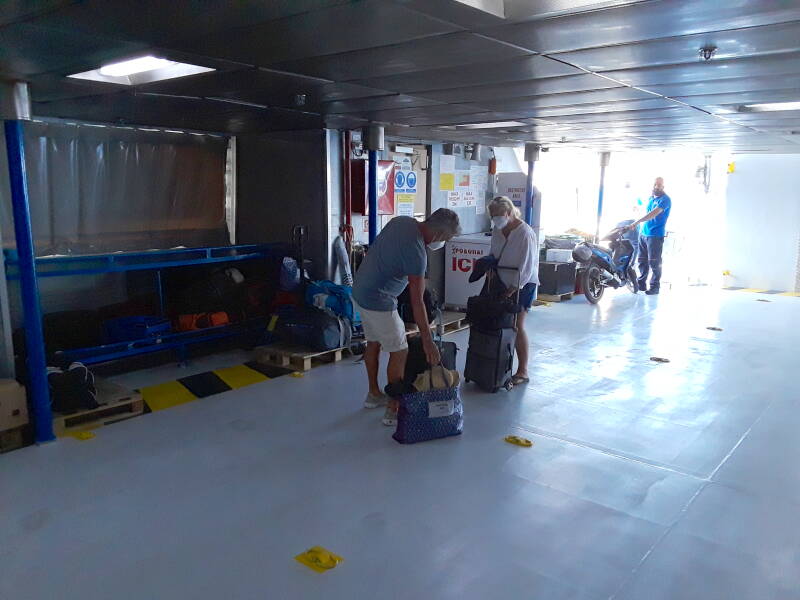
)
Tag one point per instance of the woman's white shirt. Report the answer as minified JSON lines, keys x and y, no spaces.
{"x":521,"y":252}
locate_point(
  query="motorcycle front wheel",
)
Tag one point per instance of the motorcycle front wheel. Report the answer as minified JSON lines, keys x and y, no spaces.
{"x":632,"y":283}
{"x":593,"y":288}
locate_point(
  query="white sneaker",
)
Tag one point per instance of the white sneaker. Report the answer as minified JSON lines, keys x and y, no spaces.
{"x":372,"y":401}
{"x":390,"y":417}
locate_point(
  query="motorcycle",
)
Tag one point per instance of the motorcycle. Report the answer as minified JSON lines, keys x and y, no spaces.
{"x":606,"y":267}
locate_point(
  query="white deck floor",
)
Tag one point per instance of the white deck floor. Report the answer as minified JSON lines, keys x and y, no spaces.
{"x":646,"y":481}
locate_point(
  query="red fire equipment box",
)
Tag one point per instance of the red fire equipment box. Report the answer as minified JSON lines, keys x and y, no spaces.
{"x":360,"y":186}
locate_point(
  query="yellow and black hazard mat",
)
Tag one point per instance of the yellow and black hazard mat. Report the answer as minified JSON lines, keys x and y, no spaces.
{"x":187,"y":389}
{"x":762,"y":291}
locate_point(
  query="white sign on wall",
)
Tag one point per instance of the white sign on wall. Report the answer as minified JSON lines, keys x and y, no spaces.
{"x":512,"y":185}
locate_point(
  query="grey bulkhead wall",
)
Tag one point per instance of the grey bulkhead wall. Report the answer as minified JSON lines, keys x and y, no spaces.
{"x":6,"y":326}
{"x":285,"y":179}
{"x":333,"y":152}
{"x":15,"y":103}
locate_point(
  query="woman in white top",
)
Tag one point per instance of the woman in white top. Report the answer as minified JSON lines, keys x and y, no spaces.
{"x":514,"y":245}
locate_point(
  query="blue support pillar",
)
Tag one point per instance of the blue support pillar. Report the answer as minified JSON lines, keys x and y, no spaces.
{"x":372,"y":195}
{"x":39,"y":392}
{"x":604,"y":158}
{"x":529,"y":194}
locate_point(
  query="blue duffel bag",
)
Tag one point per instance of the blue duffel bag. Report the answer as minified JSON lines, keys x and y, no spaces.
{"x":333,"y":297}
{"x":429,"y":415}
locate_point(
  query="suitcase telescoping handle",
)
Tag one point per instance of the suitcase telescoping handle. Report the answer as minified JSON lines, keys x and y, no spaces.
{"x":519,"y":282}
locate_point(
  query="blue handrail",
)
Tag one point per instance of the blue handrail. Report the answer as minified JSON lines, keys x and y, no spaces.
{"x":118,"y":262}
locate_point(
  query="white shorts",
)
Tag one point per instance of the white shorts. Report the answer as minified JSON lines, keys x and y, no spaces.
{"x":385,"y":327}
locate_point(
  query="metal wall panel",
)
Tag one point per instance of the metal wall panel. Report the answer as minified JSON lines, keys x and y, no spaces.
{"x":419,"y":55}
{"x":18,"y":10}
{"x":281,"y":182}
{"x":735,"y":43}
{"x":569,"y":100}
{"x":380,"y":103}
{"x":761,"y":66}
{"x":262,"y":87}
{"x":426,"y":65}
{"x":170,"y":22}
{"x":519,"y":69}
{"x":532,"y":87}
{"x":643,"y":21}
{"x":28,"y":49}
{"x":354,"y":26}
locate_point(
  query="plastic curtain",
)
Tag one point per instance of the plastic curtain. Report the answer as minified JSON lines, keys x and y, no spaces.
{"x":105,"y":189}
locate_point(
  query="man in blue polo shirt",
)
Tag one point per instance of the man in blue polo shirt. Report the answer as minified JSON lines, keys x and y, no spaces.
{"x":651,"y":237}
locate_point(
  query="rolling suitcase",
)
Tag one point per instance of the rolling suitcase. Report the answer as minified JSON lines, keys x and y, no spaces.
{"x":417,"y":363}
{"x":490,"y":356}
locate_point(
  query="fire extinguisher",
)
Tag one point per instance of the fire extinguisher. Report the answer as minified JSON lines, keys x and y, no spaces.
{"x":493,"y":173}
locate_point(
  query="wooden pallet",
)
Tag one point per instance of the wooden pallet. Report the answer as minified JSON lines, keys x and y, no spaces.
{"x":453,"y":321}
{"x":296,"y":357}
{"x":117,"y":403}
{"x":556,"y":298}
{"x":11,"y":439}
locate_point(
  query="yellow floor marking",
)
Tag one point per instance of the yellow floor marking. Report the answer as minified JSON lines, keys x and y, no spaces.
{"x":518,"y":441}
{"x":81,"y":435}
{"x":795,"y":294}
{"x":166,"y":395}
{"x":756,"y":290}
{"x":319,"y":559}
{"x":240,"y":376}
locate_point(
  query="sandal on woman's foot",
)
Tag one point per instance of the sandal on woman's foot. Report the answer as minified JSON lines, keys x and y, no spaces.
{"x":518,"y":380}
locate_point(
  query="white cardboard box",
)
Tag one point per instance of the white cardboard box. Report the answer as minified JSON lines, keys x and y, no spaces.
{"x":13,"y":405}
{"x":558,"y":255}
{"x":460,"y":256}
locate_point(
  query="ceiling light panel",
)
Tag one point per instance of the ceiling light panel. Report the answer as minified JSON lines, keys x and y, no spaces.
{"x":140,"y":70}
{"x":771,"y":106}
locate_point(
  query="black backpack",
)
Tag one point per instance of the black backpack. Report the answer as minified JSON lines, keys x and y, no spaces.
{"x":72,"y":389}
{"x":405,"y":310}
{"x":313,"y":328}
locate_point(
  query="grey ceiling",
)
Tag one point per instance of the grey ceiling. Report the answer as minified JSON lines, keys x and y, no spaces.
{"x":606,"y":75}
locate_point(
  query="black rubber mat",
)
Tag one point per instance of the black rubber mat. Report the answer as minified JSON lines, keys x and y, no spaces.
{"x":268,"y":370}
{"x":204,"y":384}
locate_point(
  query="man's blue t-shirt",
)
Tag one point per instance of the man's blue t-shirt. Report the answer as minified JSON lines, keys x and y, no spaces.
{"x":657,"y":227}
{"x":397,"y":252}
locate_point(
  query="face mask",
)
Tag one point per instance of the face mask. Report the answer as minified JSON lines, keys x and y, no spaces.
{"x":657,"y":192}
{"x":436,"y":245}
{"x":499,"y":222}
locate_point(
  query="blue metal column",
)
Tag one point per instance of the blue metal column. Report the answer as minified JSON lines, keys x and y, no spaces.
{"x":529,"y":194}
{"x":372,"y":195}
{"x":32,"y":310}
{"x":604,"y":158}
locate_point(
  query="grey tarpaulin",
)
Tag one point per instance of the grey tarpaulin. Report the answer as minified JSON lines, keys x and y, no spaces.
{"x":103,"y":189}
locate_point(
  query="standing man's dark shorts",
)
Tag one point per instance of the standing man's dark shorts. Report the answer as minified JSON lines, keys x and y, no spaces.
{"x":527,"y":295}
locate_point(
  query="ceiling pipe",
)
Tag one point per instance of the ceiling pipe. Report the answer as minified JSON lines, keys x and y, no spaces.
{"x":605,"y":157}
{"x":373,"y":136}
{"x":15,"y":100}
{"x":532,"y":217}
{"x":347,"y":198}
